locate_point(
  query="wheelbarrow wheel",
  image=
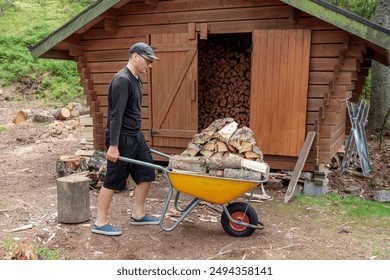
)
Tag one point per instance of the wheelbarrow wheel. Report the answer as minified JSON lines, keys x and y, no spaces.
{"x":237,"y":212}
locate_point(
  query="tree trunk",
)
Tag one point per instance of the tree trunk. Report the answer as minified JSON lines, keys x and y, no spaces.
{"x":380,"y":79}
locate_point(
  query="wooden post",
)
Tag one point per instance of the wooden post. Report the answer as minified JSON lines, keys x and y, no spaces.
{"x":299,"y":165}
{"x":73,"y":199}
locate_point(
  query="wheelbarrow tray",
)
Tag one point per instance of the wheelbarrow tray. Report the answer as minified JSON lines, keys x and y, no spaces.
{"x":212,"y":189}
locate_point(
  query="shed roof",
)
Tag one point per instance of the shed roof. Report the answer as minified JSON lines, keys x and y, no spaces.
{"x":345,"y":20}
{"x":354,"y":24}
{"x":72,"y":26}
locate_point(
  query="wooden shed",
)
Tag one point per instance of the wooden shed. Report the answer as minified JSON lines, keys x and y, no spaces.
{"x":298,"y":62}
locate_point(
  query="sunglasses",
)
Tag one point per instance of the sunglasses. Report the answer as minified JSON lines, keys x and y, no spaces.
{"x":148,"y":61}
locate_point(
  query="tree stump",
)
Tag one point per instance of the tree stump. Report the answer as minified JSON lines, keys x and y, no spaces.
{"x":73,"y":199}
{"x":69,"y":164}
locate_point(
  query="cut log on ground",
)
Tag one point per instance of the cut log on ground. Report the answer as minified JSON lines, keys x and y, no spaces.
{"x":61,"y":113}
{"x":82,"y":110}
{"x":24,"y":115}
{"x":73,"y":199}
{"x":74,"y":113}
{"x":43,"y":118}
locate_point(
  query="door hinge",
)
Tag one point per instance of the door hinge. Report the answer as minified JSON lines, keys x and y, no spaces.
{"x":152,"y":132}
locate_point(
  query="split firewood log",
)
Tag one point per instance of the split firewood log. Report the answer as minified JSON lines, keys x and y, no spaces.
{"x":235,"y":139}
{"x":221,"y":146}
{"x":207,"y":153}
{"x":247,"y":144}
{"x":214,"y":127}
{"x":226,"y":132}
{"x":193,"y":149}
{"x":198,"y":139}
{"x":210,"y":145}
{"x":188,"y":163}
{"x":243,"y":139}
{"x":254,"y":154}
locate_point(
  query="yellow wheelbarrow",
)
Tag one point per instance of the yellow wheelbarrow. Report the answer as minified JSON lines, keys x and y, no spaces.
{"x":238,"y":219}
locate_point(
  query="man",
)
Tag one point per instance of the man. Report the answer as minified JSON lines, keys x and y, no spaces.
{"x":124,"y":137}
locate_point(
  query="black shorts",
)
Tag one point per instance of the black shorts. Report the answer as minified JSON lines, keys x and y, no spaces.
{"x":133,"y":147}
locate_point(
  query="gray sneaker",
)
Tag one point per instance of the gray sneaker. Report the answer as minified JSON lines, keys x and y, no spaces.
{"x":145,"y":220}
{"x":106,"y":229}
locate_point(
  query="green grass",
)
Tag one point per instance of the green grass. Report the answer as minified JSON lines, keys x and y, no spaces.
{"x":353,"y":207}
{"x":6,"y":244}
{"x":2,"y":127}
{"x":23,"y":24}
{"x":42,"y":252}
{"x":48,"y":254}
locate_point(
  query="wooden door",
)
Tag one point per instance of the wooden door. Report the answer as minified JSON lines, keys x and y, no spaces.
{"x":174,"y":90}
{"x":279,"y":85}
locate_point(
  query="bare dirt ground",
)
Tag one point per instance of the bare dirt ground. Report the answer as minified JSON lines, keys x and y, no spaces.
{"x":292,"y":231}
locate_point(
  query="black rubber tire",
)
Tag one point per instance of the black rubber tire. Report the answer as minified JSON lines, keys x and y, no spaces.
{"x":236,"y":210}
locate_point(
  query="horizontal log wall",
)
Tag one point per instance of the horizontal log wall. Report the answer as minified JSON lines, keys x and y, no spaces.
{"x":335,"y":62}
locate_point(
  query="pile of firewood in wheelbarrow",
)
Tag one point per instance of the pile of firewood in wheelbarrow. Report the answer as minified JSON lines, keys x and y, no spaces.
{"x":222,"y":150}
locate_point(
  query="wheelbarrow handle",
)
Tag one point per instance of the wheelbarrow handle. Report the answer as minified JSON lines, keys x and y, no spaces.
{"x":160,"y":153}
{"x":147,"y":164}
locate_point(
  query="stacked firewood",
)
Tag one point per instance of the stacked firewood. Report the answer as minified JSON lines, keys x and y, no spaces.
{"x":223,"y":150}
{"x":224,"y":84}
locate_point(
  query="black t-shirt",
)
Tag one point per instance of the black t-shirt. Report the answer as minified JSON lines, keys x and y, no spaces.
{"x":124,"y":105}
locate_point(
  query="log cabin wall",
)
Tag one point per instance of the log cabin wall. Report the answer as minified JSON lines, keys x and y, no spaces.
{"x":336,"y":60}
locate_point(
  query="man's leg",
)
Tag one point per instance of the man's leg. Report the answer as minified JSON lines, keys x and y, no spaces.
{"x":104,"y":201}
{"x":141,"y":192}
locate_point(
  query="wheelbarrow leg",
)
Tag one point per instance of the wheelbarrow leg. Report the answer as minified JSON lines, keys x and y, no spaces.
{"x":178,"y":208}
{"x":187,"y":210}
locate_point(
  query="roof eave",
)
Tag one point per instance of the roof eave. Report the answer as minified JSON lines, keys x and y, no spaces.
{"x":76,"y":23}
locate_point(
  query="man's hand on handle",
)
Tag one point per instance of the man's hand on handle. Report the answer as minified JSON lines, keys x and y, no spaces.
{"x":112,"y":153}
